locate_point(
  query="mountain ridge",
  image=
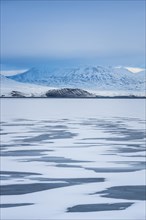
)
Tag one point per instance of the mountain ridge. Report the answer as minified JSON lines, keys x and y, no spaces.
{"x":93,"y":77}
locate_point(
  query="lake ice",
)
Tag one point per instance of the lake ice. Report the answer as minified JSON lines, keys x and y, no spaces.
{"x":73,"y":159}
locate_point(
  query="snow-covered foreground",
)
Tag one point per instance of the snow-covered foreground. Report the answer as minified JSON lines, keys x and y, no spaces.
{"x":73,"y":159}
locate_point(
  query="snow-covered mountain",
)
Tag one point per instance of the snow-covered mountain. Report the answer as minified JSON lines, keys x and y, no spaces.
{"x":11,"y":88}
{"x":96,"y":78}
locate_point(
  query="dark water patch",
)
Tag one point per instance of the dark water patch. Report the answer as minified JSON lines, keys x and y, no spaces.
{"x":22,"y":136}
{"x":127,"y":119}
{"x":8,"y":133}
{"x":84,"y":180}
{"x":12,"y":205}
{"x":2,"y":149}
{"x":86,"y":143}
{"x":19,"y":124}
{"x":114,"y":169}
{"x":68,"y":166}
{"x":56,"y":126}
{"x":51,"y":131}
{"x":31,"y":144}
{"x":126,"y":148}
{"x":42,"y":179}
{"x":137,"y":192}
{"x":119,"y":129}
{"x":135,"y":145}
{"x":82,"y":146}
{"x":54,"y":121}
{"x":22,"y":119}
{"x":3,"y":122}
{"x":132,"y":162}
{"x":108,"y":154}
{"x":99,"y":207}
{"x":95,"y":138}
{"x":70,"y":181}
{"x":6,"y":175}
{"x":18,"y":189}
{"x":23,"y":153}
{"x":116,"y":139}
{"x":48,"y":126}
{"x":137,"y":155}
{"x":117,"y":145}
{"x":109,"y":126}
{"x":23,"y":144}
{"x":54,"y":159}
{"x":129,"y":135}
{"x":130,"y":150}
{"x":5,"y":146}
{"x":5,"y":133}
{"x":135,"y":164}
{"x":86,"y":123}
{"x":15,"y":145}
{"x":52,"y":135}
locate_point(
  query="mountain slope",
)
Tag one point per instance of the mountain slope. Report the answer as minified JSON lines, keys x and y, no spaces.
{"x":11,"y":88}
{"x":92,"y":78}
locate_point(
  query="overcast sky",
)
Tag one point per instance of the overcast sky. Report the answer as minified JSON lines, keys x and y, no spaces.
{"x":108,"y":31}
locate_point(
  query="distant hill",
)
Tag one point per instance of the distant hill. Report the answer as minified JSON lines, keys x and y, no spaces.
{"x":69,"y":93}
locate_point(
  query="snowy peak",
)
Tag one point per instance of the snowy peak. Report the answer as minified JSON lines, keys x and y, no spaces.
{"x":132,"y":69}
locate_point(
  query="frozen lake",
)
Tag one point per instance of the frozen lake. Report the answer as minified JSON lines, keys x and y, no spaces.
{"x":73,"y":159}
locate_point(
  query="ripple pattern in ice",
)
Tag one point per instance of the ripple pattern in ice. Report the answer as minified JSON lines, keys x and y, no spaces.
{"x":72,"y":169}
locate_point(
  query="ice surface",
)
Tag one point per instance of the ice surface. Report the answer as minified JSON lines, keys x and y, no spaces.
{"x":59,"y":154}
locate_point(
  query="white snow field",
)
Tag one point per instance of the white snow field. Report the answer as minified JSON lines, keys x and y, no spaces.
{"x":72,"y":159}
